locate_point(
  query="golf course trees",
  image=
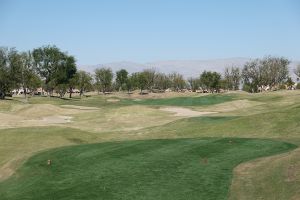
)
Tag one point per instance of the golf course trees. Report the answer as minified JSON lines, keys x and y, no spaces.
{"x":162,"y":81}
{"x":67,"y":74}
{"x":140,"y":80}
{"x":6,"y":79}
{"x":297,"y":71}
{"x":269,"y":71}
{"x":177,"y":81}
{"x":232,"y":78}
{"x":149,"y":75}
{"x":17,"y":71}
{"x":103,"y":77}
{"x":26,"y":74}
{"x":63,"y":76}
{"x":289,"y":83}
{"x":121,"y":79}
{"x":84,"y":81}
{"x":194,"y":83}
{"x":55,"y":67}
{"x":210,"y":81}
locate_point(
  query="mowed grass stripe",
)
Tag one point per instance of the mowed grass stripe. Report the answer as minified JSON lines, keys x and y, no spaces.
{"x":152,"y":169}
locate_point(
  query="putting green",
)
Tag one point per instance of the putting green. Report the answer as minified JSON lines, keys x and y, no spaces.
{"x":153,"y":169}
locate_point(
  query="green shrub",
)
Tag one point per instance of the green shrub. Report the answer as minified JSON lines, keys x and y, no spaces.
{"x":282,"y":87}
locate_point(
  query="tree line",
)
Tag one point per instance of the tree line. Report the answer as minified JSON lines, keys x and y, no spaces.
{"x":53,"y":70}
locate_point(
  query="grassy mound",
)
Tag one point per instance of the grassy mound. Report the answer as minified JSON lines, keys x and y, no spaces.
{"x":153,"y":169}
{"x":187,"y":101}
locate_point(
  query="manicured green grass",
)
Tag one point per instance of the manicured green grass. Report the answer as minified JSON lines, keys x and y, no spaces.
{"x":152,"y":169}
{"x":185,"y":101}
{"x":276,"y":123}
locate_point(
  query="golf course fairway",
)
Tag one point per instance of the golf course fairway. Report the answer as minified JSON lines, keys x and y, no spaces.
{"x":166,"y":169}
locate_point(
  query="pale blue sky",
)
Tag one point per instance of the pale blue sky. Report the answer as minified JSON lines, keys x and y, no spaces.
{"x":149,"y":30}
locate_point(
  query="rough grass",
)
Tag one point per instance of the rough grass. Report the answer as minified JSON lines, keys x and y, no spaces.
{"x":152,"y":169}
{"x":184,"y":101}
{"x":275,"y":177}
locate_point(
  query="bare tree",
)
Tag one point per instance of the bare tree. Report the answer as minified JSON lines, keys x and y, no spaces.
{"x":232,"y":76}
{"x":297,"y":71}
{"x":269,"y":71}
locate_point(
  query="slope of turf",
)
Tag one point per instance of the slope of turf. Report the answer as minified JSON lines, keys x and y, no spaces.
{"x":185,"y":101}
{"x":153,"y":169}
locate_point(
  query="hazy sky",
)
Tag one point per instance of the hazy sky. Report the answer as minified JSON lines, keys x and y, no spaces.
{"x":149,"y":30}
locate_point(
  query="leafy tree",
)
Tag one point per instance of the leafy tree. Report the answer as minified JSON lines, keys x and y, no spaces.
{"x":47,"y":60}
{"x":138,"y":80}
{"x":130,"y":83}
{"x":121,"y":79}
{"x":251,"y":76}
{"x":177,"y":81}
{"x":27,"y":76}
{"x":142,"y":81}
{"x":84,"y":81}
{"x":57,"y":68}
{"x":16,"y":71}
{"x":210,"y":81}
{"x":103,"y":77}
{"x":64,"y":75}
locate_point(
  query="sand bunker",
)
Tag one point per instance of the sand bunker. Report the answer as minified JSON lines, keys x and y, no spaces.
{"x":56,"y":119}
{"x":112,"y":100}
{"x":79,"y":107}
{"x":185,"y":112}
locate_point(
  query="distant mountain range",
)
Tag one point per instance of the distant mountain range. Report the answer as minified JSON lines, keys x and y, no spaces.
{"x":188,"y":68}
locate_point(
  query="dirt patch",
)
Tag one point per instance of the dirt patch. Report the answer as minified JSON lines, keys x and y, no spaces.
{"x":185,"y":112}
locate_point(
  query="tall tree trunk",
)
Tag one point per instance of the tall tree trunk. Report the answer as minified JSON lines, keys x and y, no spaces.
{"x":71,"y":91}
{"x":81,"y":92}
{"x":2,"y":94}
{"x":25,"y":92}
